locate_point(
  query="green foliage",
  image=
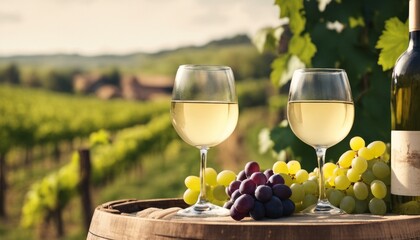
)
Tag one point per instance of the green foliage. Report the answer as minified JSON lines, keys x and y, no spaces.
{"x":10,"y":74}
{"x":34,"y":117}
{"x":59,"y":80}
{"x":340,"y":34}
{"x":57,"y":188}
{"x":392,"y":42}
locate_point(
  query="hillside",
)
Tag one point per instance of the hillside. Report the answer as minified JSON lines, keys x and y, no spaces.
{"x":237,"y":52}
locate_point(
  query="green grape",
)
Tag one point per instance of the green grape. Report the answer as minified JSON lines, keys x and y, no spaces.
{"x":225,"y":177}
{"x":328,"y":169}
{"x":313,"y":178}
{"x":339,"y":171}
{"x":287,"y":179}
{"x":311,"y":187}
{"x":219,"y":193}
{"x":345,"y":159}
{"x":211,"y":176}
{"x":309,"y":200}
{"x":353,"y":176}
{"x":361,"y":206}
{"x":361,"y":190}
{"x":348,"y":204}
{"x":209,"y":193}
{"x":357,"y":143}
{"x":350,"y":191}
{"x":342,"y":182}
{"x":327,"y":184}
{"x":328,"y":192}
{"x":301,"y":176}
{"x":293,"y":166}
{"x":331,"y":181}
{"x":368,"y":176}
{"x":381,"y":170}
{"x":218,"y":203}
{"x":377,"y":147}
{"x":312,"y":175}
{"x":371,"y":163}
{"x":298,"y":192}
{"x":378,"y":189}
{"x":335,"y":197}
{"x":193,"y":183}
{"x":298,"y":207}
{"x":190,"y":197}
{"x":359,"y":164}
{"x":365,"y":153}
{"x":377,"y":206}
{"x":280,"y":167}
{"x":385,"y":157}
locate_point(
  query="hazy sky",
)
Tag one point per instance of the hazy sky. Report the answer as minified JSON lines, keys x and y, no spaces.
{"x":123,"y":26}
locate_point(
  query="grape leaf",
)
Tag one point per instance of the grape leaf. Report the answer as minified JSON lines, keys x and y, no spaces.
{"x":356,"y":22}
{"x":293,"y":11}
{"x":302,"y":47}
{"x":392,"y":42}
{"x":278,"y":66}
{"x":297,"y":22}
{"x":267,"y":39}
{"x":287,"y":7}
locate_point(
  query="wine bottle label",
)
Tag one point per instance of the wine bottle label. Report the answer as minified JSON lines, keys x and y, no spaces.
{"x":405,"y":163}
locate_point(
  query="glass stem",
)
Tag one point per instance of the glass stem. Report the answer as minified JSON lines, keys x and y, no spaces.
{"x":202,"y":199}
{"x":320,"y":153}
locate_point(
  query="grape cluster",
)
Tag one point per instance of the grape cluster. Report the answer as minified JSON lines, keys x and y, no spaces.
{"x":216,"y":184}
{"x":258,"y":194}
{"x":357,"y":183}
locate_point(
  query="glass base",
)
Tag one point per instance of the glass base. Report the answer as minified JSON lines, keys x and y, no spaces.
{"x":323,"y":207}
{"x":203,"y":210}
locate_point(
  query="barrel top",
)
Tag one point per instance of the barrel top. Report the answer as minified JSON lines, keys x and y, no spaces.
{"x":157,"y":219}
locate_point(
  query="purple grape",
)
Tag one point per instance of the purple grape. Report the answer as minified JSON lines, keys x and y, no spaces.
{"x":251,"y":167}
{"x":247,"y":187}
{"x":228,"y":204}
{"x":232,"y":187}
{"x":235,"y":195}
{"x":258,"y":212}
{"x":263,"y":193}
{"x":273,"y":208}
{"x":282,"y":191}
{"x":288,"y":207}
{"x":259,"y":178}
{"x":268,"y":173}
{"x":244,"y":203}
{"x":275,"y":179}
{"x":241,"y":176}
{"x":237,"y":215}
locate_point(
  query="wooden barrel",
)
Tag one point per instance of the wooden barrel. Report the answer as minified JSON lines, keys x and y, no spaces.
{"x":156,"y":219}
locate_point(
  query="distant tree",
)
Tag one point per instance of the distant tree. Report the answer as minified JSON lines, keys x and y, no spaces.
{"x":112,"y":77}
{"x":10,"y":74}
{"x":59,"y":80}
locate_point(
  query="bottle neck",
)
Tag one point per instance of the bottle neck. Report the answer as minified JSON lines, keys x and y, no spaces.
{"x":414,"y":15}
{"x":414,"y":39}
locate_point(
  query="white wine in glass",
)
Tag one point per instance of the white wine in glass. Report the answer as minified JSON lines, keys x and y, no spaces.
{"x":320,"y":112}
{"x":204,"y":111}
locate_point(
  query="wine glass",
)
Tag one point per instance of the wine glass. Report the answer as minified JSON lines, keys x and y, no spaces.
{"x":320,"y":112}
{"x":204,"y":111}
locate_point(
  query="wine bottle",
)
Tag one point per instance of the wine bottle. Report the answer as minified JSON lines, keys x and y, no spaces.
{"x":405,"y":118}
